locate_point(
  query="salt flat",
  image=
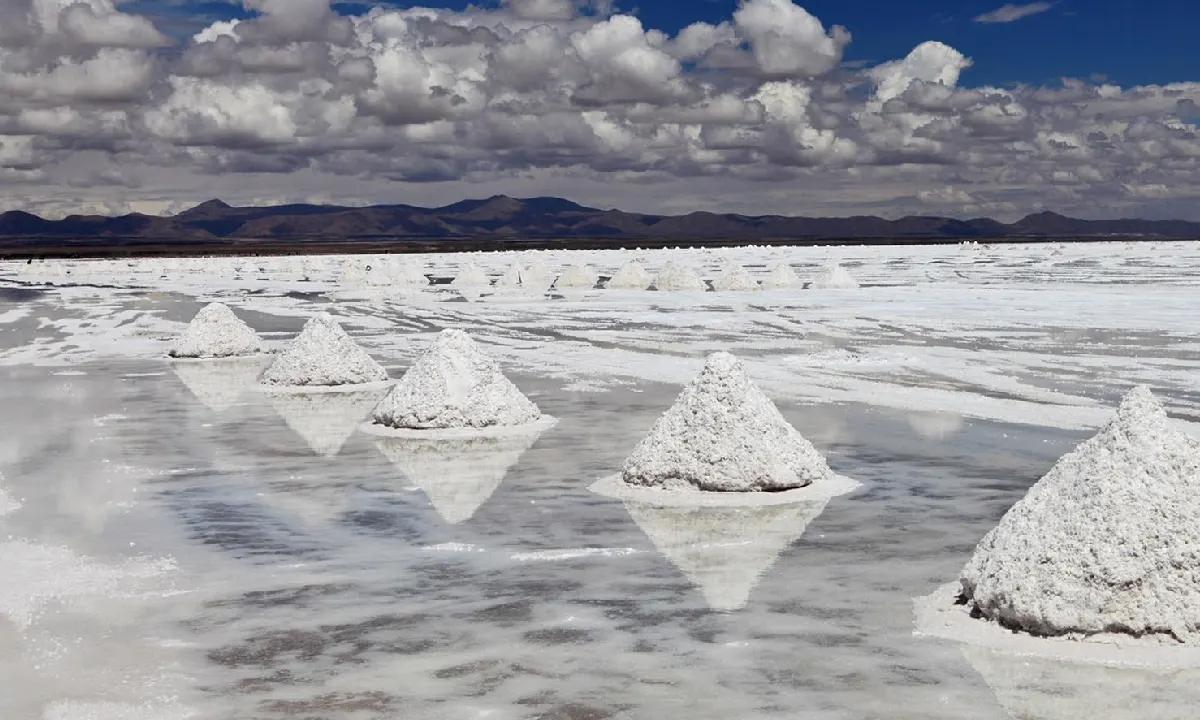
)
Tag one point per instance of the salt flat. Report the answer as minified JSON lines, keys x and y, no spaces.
{"x":281,"y":566}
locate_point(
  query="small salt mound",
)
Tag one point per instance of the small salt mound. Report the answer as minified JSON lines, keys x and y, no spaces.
{"x":724,"y":435}
{"x":577,"y":277}
{"x":781,"y":277}
{"x":511,"y":277}
{"x":1106,"y":542}
{"x":735,"y":279}
{"x":323,"y":355}
{"x":216,"y":332}
{"x":470,"y":275}
{"x":455,"y":384}
{"x":835,"y":277}
{"x":538,"y":277}
{"x":673,"y":278}
{"x":631,"y":276}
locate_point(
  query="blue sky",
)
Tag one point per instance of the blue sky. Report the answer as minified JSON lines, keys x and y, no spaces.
{"x":1120,"y":41}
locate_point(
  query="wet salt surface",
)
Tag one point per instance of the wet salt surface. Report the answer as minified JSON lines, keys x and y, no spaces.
{"x":305,"y":585}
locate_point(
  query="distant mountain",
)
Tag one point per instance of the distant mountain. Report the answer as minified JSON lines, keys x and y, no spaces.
{"x":502,"y":217}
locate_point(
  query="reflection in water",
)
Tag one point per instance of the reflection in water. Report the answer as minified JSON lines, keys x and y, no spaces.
{"x":325,"y":420}
{"x":457,"y":475}
{"x":318,"y":503}
{"x":724,"y":550}
{"x":219,"y":383}
{"x":934,"y":425}
{"x":1035,"y":688}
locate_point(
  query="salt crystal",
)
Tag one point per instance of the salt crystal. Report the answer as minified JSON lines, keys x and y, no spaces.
{"x":323,"y":355}
{"x":455,"y":384}
{"x":1106,"y":542}
{"x":674,"y":277}
{"x":724,"y":435}
{"x":835,"y":277}
{"x":781,"y":277}
{"x":577,"y":277}
{"x":216,"y":332}
{"x":735,"y":279}
{"x":631,"y":276}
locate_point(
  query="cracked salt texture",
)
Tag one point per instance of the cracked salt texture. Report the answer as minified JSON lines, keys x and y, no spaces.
{"x":781,"y":277}
{"x":673,"y":277}
{"x":735,"y":279}
{"x":835,"y":277}
{"x":631,"y":276}
{"x":724,"y":435}
{"x":216,"y":332}
{"x":455,"y":384}
{"x":1106,"y":542}
{"x":470,"y":275}
{"x":579,"y":277}
{"x":323,"y":355}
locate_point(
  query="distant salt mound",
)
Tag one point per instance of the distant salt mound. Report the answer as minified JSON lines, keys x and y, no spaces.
{"x":735,"y":279}
{"x":216,"y":332}
{"x":631,"y":276}
{"x":411,"y":274}
{"x":353,"y":273}
{"x":577,"y":277}
{"x":323,"y":355}
{"x":724,"y":435}
{"x":835,"y":277}
{"x":538,"y":277}
{"x":470,"y":276}
{"x":1106,"y":542}
{"x":678,"y":278}
{"x":455,"y":384}
{"x":781,"y":278}
{"x":511,"y":277}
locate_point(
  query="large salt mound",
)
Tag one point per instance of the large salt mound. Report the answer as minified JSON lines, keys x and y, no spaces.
{"x":631,"y":276}
{"x":455,"y":385}
{"x":470,"y":276}
{"x":323,"y":355}
{"x":781,"y":277}
{"x":735,"y":279}
{"x":216,"y":332}
{"x":724,"y":435}
{"x":1106,"y":542}
{"x":577,"y":277}
{"x":674,"y":277}
{"x":538,"y":277}
{"x":835,"y":277}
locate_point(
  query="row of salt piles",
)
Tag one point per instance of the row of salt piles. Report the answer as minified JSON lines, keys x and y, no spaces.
{"x":672,"y":277}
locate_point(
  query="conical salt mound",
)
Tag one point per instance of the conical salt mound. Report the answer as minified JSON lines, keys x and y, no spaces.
{"x":216,"y":332}
{"x":735,"y":279}
{"x":218,"y":384}
{"x":410,"y":274}
{"x":725,"y":551}
{"x":470,"y":276}
{"x":455,"y":385}
{"x":782,"y":277}
{"x":577,"y":277}
{"x":457,"y":475}
{"x":1107,"y":542}
{"x":538,"y":277}
{"x":674,"y":277}
{"x":724,"y":435}
{"x":325,"y":421}
{"x":835,"y":277}
{"x":511,"y":277}
{"x":631,"y":276}
{"x":323,"y":355}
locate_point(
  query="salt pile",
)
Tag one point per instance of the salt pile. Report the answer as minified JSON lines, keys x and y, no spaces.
{"x":725,"y":551}
{"x":218,"y":384}
{"x":325,"y":421}
{"x":511,"y":277}
{"x":781,"y":277}
{"x":353,"y":273}
{"x":323,"y":355}
{"x":216,"y":332}
{"x":1106,"y":542}
{"x":455,"y":384}
{"x":410,"y":274}
{"x":577,"y":277}
{"x":677,"y":278}
{"x":724,"y":435}
{"x":470,"y":276}
{"x":631,"y":276}
{"x":835,"y":277}
{"x":735,"y":279}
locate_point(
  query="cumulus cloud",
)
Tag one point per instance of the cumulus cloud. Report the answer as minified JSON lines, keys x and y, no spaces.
{"x":753,"y":114}
{"x":1010,"y":12}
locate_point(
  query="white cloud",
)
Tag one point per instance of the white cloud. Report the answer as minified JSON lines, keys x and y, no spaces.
{"x":1010,"y":12}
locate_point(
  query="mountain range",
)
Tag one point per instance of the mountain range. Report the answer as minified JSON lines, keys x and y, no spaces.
{"x":501,"y":217}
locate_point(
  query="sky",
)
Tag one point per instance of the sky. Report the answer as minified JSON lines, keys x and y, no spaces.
{"x":818,"y":108}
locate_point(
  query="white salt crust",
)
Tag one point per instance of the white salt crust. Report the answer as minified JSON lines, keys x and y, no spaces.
{"x":470,"y":276}
{"x":216,"y":332}
{"x":1106,"y":542}
{"x":577,"y":277}
{"x":454,"y":384}
{"x":735,"y":279}
{"x":543,"y":423}
{"x":631,"y":276}
{"x":723,"y":434}
{"x":615,"y":487}
{"x":323,"y":355}
{"x":678,"y":278}
{"x":781,"y":278}
{"x":835,"y":277}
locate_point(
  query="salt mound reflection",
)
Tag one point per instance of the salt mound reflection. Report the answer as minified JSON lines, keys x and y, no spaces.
{"x":218,"y":384}
{"x":458,"y":475}
{"x":325,"y":420}
{"x":724,"y":550}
